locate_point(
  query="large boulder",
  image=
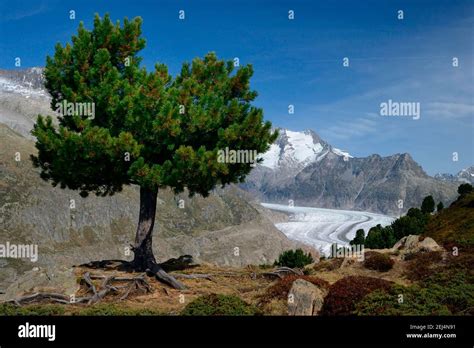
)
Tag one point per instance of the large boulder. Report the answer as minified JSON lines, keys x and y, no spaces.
{"x":305,"y":298}
{"x":413,"y":244}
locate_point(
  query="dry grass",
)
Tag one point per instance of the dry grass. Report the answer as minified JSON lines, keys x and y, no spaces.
{"x":162,"y":298}
{"x":455,"y":224}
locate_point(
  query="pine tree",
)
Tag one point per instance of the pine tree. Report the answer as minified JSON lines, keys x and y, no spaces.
{"x":359,"y":238}
{"x":149,"y":129}
{"x":428,"y":205}
{"x":464,"y":189}
{"x":439,"y":207}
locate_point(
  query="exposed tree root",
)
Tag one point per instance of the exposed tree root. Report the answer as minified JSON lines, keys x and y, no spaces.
{"x":157,"y":270}
{"x":39,"y":297}
{"x":282,"y":272}
{"x":138,"y":283}
{"x":181,"y":263}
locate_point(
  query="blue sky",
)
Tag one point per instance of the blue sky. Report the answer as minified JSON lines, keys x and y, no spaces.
{"x":299,"y":62}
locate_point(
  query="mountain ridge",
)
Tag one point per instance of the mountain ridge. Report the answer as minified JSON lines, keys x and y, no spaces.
{"x":331,"y":178}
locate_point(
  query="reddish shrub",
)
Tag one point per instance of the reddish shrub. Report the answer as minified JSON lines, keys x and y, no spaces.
{"x":346,"y":292}
{"x":421,"y":265}
{"x":378,"y":262}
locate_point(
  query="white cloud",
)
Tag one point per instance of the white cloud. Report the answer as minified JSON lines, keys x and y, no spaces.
{"x":449,"y":110}
{"x":348,"y":129}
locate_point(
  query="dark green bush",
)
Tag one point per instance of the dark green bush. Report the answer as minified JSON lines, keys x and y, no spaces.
{"x":359,"y":238}
{"x":380,"y":237}
{"x":439,"y":207}
{"x":57,"y":309}
{"x":45,"y":309}
{"x":294,"y":258}
{"x":378,"y":262}
{"x":441,"y":294}
{"x":428,"y":205}
{"x":219,"y":305}
{"x":414,"y":222}
{"x":400,"y":300}
{"x":464,"y":189}
{"x":108,"y":309}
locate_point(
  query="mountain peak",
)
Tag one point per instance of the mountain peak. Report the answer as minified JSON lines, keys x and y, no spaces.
{"x":465,"y":175}
{"x":295,"y":150}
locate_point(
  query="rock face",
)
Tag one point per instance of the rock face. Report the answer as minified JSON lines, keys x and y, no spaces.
{"x":307,"y":170}
{"x":305,"y":298}
{"x":413,"y":244}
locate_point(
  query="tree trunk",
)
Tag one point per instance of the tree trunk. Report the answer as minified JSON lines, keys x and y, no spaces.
{"x":144,"y":260}
{"x":143,"y":240}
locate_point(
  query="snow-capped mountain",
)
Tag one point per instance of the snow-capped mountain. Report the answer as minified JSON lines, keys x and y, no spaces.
{"x":293,"y":151}
{"x":22,"y":98}
{"x":465,"y":175}
{"x":307,"y":170}
{"x":27,"y":82}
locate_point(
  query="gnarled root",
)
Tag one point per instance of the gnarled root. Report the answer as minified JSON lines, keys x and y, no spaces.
{"x":157,"y":270}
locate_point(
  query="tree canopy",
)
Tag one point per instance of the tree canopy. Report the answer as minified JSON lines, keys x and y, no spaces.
{"x":465,"y":189}
{"x":149,"y":128}
{"x":428,"y":205}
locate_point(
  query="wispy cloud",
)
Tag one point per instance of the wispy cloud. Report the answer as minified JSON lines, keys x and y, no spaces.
{"x":348,"y":129}
{"x":24,"y":13}
{"x":449,"y":110}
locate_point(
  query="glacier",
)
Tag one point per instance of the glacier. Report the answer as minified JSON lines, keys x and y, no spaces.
{"x":320,"y":228}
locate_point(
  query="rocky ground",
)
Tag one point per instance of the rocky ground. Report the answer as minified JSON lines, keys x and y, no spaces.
{"x":271,"y":290}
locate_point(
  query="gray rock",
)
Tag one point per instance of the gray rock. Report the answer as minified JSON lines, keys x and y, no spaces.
{"x":305,"y":298}
{"x":413,"y":244}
